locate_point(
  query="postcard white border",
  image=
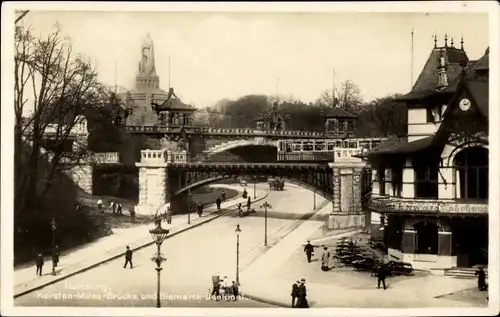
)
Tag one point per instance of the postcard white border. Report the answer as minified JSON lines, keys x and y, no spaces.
{"x":7,"y":126}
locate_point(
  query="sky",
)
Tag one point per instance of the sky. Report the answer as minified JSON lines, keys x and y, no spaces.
{"x":218,"y":55}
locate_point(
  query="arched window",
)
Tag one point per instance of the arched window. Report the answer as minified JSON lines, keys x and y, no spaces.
{"x":471,"y":173}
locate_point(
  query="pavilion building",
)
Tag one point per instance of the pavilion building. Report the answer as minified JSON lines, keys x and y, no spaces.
{"x":430,"y":190}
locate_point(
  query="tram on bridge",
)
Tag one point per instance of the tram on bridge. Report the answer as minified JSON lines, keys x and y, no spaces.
{"x":322,"y":149}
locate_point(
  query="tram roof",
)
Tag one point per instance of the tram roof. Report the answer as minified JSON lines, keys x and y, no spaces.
{"x":399,"y":146}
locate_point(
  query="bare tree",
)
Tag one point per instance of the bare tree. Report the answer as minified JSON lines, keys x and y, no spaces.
{"x":63,"y":86}
{"x":347,"y":97}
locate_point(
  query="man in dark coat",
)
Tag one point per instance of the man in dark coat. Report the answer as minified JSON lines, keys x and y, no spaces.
{"x":128,"y":258}
{"x":235,"y":289}
{"x":481,"y":279}
{"x":199,"y":206}
{"x":302,"y":298}
{"x":249,"y":203}
{"x":218,"y":202}
{"x":39,"y":264}
{"x":309,"y":250}
{"x":381,"y":275}
{"x":295,"y":292}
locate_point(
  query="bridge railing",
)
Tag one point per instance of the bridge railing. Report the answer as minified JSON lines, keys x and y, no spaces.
{"x":106,"y":158}
{"x":314,"y":157}
{"x":222,"y":157}
{"x":220,"y":131}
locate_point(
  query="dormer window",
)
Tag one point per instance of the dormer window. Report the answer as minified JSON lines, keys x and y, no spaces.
{"x":434,"y":114}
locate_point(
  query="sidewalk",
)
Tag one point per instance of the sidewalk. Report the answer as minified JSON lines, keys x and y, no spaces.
{"x":109,"y":248}
{"x":270,"y":279}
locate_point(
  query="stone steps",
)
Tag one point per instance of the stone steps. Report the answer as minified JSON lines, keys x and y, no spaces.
{"x":465,"y":273}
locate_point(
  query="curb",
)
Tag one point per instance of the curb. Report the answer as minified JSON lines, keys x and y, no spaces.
{"x":78,"y":271}
{"x":266,"y":301}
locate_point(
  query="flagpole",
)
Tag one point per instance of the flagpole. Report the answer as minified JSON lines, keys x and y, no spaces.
{"x":116,"y":69}
{"x":169,"y":72}
{"x":411,"y":79}
{"x":333,"y":88}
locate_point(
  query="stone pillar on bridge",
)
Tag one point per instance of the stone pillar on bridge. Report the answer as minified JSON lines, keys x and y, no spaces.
{"x":152,"y":181}
{"x":347,"y":186}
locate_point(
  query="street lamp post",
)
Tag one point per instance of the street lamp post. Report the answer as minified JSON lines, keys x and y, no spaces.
{"x":238,"y":231}
{"x":254,"y":182}
{"x":265,"y":206}
{"x":314,"y":200}
{"x":158,"y":234}
{"x":54,"y":227}
{"x":189,"y":206}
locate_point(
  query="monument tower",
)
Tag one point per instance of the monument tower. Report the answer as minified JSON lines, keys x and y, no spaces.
{"x":147,"y":87}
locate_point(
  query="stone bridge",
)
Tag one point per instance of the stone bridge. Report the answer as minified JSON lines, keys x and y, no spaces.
{"x":168,"y":176}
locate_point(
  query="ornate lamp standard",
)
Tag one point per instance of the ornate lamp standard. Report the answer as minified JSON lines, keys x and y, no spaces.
{"x":53,"y":227}
{"x":265,"y":206}
{"x":238,"y":231}
{"x":158,"y":234}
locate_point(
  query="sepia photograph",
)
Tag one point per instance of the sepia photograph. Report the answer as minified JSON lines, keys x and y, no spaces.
{"x":206,"y":158}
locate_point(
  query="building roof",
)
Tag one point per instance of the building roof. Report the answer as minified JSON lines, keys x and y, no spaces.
{"x":174,"y":103}
{"x":338,"y":112}
{"x":427,"y":82}
{"x":400,"y":146}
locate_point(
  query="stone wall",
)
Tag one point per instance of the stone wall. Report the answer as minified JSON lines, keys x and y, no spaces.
{"x":347,"y":209}
{"x":82,"y":177}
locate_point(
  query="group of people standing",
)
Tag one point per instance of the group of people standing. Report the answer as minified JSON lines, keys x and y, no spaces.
{"x":39,"y":260}
{"x":382,"y":271}
{"x":299,"y":294}
{"x":222,"y":289}
{"x":220,"y":199}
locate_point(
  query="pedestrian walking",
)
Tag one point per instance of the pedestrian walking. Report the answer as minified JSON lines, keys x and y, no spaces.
{"x":169,"y":216}
{"x":128,"y":258}
{"x":381,"y":275}
{"x":239,"y":210}
{"x":39,"y":264}
{"x":249,"y":203}
{"x":234,"y":288}
{"x":225,"y":285}
{"x":481,"y":279}
{"x":55,"y":256}
{"x":295,"y":292}
{"x":223,"y":195}
{"x":309,"y":250}
{"x":218,"y":202}
{"x":113,"y":207}
{"x":119,"y":209}
{"x":302,"y":300}
{"x":325,"y":259}
{"x":245,"y":193}
{"x":99,"y":205}
{"x":215,"y":288}
{"x":200,"y":209}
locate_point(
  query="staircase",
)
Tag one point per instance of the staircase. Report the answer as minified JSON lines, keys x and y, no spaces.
{"x":464,"y":272}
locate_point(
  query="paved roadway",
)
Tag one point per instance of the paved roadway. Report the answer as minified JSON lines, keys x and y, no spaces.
{"x":192,"y":258}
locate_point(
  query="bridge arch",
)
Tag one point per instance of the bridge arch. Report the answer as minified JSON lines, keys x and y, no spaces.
{"x":322,"y":187}
{"x":230,"y":145}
